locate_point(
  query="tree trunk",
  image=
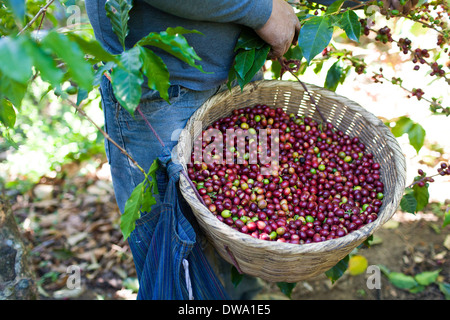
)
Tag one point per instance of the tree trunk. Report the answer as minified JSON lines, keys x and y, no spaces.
{"x":16,"y":278}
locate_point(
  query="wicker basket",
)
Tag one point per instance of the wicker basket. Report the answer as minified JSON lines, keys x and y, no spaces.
{"x":284,"y":262}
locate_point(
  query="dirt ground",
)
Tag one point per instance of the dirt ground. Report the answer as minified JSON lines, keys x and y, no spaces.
{"x":403,"y":246}
{"x":75,"y":223}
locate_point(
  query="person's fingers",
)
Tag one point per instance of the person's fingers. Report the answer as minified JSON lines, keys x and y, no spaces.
{"x":407,"y":7}
{"x":281,"y":30}
{"x":297,"y":32}
{"x":386,"y":6}
{"x":395,"y":4}
{"x":270,"y":55}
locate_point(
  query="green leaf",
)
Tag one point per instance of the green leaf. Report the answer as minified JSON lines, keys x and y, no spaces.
{"x":421,"y":2}
{"x":384,"y":269}
{"x":248,"y":39}
{"x":445,"y":289}
{"x":117,"y":12}
{"x":338,"y":270}
{"x":335,"y":7}
{"x":231,"y":77}
{"x":421,"y":195}
{"x":294,"y":53}
{"x":402,"y":281}
{"x":286,"y":288}
{"x":16,"y":63}
{"x":408,"y":203}
{"x":127,"y":79}
{"x":349,"y":22}
{"x":13,"y":90}
{"x":315,"y":35}
{"x":258,"y":62}
{"x":402,"y":126}
{"x":244,"y":61}
{"x":92,"y":48}
{"x":251,"y":55}
{"x":318,"y":67}
{"x":149,"y":200}
{"x":240,"y":81}
{"x":236,"y":277}
{"x":101,"y":70}
{"x":7,"y":113}
{"x":180,"y":30}
{"x":426,"y":278}
{"x":334,"y":76}
{"x":18,"y":8}
{"x":141,"y":199}
{"x":417,"y":289}
{"x":81,"y":95}
{"x":152,"y":173}
{"x":416,"y":135}
{"x":45,"y":63}
{"x":446,"y":221}
{"x":7,"y":136}
{"x":175,"y":44}
{"x":156,"y":72}
{"x":132,"y":211}
{"x":71,"y":54}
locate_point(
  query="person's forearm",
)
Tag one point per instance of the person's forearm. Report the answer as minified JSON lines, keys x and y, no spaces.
{"x":251,"y":13}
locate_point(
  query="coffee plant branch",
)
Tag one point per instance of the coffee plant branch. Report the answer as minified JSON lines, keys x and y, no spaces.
{"x":396,"y":81}
{"x":43,"y":10}
{"x":106,"y":135}
{"x":444,"y":76}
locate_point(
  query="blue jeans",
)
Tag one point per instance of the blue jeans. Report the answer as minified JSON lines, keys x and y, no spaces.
{"x":134,"y":135}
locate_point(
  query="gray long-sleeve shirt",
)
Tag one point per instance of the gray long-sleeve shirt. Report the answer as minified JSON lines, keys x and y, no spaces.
{"x":220,"y":22}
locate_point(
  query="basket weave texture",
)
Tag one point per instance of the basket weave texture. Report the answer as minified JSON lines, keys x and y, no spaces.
{"x":284,"y":262}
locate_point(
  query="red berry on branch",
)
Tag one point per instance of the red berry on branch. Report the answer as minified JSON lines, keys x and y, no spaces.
{"x":418,"y":93}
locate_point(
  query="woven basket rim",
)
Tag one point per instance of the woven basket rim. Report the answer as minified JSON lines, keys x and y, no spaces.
{"x":359,"y":235}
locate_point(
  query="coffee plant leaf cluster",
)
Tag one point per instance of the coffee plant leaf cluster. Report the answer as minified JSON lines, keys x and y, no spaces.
{"x":141,"y":199}
{"x":315,"y":35}
{"x":58,"y":57}
{"x":418,"y":282}
{"x":251,"y":54}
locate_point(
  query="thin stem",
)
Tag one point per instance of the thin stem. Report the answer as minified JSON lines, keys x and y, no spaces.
{"x":407,"y":90}
{"x":429,"y":26}
{"x":106,"y":135}
{"x":422,"y":179}
{"x":413,"y":53}
{"x":150,"y":126}
{"x":41,"y":11}
{"x":286,"y":66}
{"x":42,"y":21}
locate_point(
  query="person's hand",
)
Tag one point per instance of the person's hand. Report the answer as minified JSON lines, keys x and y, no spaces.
{"x":397,"y":5}
{"x":281,"y":30}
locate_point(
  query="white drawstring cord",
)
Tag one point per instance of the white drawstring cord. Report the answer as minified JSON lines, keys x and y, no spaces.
{"x":188,"y":279}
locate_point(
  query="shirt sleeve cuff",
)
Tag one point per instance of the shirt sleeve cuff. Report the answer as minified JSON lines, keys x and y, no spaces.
{"x":258,"y":14}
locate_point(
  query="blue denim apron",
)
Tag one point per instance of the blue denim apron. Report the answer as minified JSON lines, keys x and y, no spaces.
{"x":169,"y":260}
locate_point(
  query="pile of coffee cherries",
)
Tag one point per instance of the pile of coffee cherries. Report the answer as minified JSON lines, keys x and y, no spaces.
{"x":324,"y":186}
